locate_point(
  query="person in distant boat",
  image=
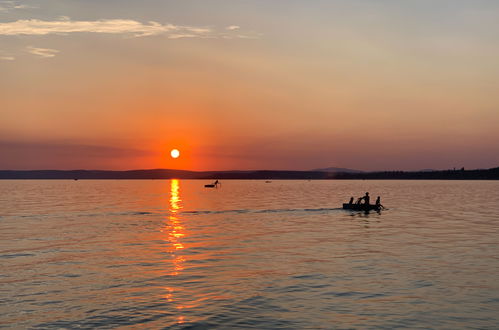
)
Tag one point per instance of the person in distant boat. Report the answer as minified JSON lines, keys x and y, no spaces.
{"x":351,"y":201}
{"x":358,"y":201}
{"x":216,"y":183}
{"x":366,"y":198}
{"x":378,"y":202}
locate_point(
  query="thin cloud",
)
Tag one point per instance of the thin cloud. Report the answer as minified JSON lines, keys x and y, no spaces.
{"x":234,"y":32}
{"x":6,"y":6}
{"x":108,"y":26}
{"x":179,"y":36}
{"x":43,"y":52}
{"x":5,"y":56}
{"x":242,"y":36}
{"x":31,"y":154}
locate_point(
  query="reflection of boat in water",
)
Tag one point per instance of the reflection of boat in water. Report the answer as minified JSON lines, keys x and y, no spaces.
{"x":361,"y":207}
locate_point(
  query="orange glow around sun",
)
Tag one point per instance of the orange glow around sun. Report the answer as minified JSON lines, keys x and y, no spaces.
{"x":175,"y":153}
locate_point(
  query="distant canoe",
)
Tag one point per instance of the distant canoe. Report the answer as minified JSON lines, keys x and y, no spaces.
{"x":209,"y":186}
{"x":361,"y":207}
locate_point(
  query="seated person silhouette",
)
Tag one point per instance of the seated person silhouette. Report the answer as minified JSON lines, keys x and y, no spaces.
{"x":378,"y":202}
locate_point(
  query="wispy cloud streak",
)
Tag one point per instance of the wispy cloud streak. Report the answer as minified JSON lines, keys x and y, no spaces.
{"x":4,"y":56}
{"x":108,"y":26}
{"x":7,"y":6}
{"x":43,"y":52}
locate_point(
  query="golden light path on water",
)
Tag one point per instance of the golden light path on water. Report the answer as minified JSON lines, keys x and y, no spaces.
{"x":175,"y":231}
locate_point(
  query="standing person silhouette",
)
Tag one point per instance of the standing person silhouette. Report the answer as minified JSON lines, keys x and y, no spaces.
{"x":366,"y":198}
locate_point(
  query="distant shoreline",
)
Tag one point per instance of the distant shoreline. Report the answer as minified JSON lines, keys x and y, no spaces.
{"x":460,"y":174}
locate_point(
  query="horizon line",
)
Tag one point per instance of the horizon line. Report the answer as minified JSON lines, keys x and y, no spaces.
{"x":252,"y":170}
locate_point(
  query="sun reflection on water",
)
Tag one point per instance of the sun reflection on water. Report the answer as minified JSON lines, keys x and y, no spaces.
{"x":175,"y":231}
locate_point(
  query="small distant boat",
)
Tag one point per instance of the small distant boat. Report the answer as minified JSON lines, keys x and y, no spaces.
{"x":268,"y":181}
{"x":361,"y":207}
{"x":213,"y":185}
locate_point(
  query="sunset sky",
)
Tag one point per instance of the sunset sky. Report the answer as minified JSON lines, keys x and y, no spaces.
{"x":239,"y":84}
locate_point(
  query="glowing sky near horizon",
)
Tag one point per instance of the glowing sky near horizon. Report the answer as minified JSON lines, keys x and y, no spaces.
{"x":233,"y":84}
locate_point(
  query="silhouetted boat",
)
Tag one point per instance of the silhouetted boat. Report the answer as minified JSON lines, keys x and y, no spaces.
{"x":213,"y":185}
{"x":361,"y":207}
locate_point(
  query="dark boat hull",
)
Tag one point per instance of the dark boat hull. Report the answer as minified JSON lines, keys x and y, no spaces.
{"x":361,"y":207}
{"x":209,"y":186}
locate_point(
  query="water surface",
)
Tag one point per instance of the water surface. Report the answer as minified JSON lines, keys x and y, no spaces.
{"x":170,"y":253}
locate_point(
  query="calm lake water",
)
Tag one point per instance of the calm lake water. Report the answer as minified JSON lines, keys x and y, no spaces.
{"x":172,"y":254}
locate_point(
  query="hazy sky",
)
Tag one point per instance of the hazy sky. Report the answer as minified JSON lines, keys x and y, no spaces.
{"x":240,"y":84}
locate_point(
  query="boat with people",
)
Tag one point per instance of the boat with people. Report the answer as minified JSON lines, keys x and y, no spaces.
{"x":361,"y":207}
{"x":365,"y":206}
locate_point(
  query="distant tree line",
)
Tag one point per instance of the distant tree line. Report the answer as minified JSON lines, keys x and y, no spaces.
{"x":462,"y":174}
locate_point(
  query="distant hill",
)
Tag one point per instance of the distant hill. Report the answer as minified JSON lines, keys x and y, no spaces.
{"x":320,"y":174}
{"x":337,"y":170}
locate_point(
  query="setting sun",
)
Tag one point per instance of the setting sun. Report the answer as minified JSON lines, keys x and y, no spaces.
{"x":175,"y":153}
